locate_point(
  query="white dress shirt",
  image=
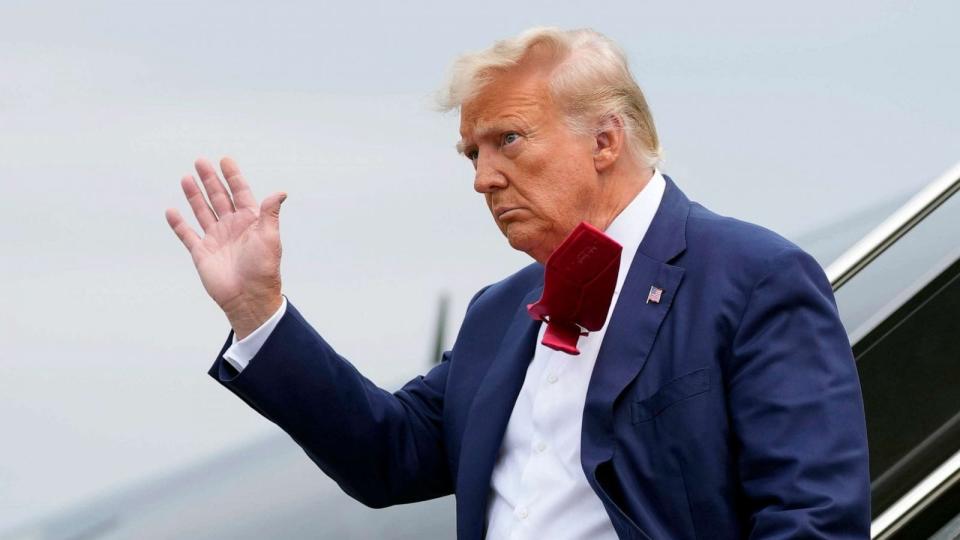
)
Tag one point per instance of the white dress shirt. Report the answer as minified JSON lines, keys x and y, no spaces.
{"x":538,"y":488}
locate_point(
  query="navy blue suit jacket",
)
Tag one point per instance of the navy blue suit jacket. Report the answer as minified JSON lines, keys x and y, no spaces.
{"x":730,"y":409}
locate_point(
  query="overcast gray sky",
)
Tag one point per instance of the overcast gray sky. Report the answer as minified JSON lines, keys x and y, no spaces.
{"x":787,"y":115}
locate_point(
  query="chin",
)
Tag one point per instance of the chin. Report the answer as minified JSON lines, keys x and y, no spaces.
{"x":526,"y":240}
{"x":518,"y":238}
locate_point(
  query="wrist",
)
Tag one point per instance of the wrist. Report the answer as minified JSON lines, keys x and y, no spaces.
{"x":248,"y":314}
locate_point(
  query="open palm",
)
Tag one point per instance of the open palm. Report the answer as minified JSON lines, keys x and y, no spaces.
{"x":238,"y":258}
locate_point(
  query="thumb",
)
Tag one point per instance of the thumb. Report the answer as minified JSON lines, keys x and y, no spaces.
{"x":270,"y":209}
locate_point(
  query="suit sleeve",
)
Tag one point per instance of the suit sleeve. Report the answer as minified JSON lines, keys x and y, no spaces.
{"x":241,"y":352}
{"x":382,"y":448}
{"x":797,"y":409}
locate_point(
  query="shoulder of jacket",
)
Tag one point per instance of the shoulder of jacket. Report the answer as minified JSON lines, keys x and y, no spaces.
{"x":517,"y":283}
{"x":716,"y":237}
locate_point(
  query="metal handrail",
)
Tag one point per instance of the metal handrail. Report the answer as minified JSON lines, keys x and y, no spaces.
{"x":845,"y":267}
{"x":915,"y":500}
{"x":893,"y":228}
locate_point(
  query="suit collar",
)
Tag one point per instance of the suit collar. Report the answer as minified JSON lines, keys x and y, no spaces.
{"x":666,"y":238}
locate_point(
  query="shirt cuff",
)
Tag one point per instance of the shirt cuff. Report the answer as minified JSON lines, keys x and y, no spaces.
{"x":241,"y":352}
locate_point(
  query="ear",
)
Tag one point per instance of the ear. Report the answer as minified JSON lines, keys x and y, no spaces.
{"x":608,"y":143}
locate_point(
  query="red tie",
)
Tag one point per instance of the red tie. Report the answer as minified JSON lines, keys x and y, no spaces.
{"x":578,"y":286}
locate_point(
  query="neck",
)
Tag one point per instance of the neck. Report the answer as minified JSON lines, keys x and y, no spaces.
{"x":621,"y":188}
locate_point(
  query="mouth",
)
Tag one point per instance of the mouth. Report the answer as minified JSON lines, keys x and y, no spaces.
{"x":502,"y":211}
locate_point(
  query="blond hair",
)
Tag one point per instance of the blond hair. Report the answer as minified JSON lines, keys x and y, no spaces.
{"x":590,"y":80}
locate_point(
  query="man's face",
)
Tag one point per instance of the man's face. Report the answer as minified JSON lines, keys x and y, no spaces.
{"x":538,"y":178}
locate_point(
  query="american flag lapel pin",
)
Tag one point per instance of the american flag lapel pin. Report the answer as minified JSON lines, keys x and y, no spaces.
{"x":654,"y":294}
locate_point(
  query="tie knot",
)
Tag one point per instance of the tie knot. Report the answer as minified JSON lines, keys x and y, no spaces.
{"x":579,"y":282}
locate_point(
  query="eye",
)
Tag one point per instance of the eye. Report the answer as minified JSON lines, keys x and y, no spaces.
{"x":510,"y":137}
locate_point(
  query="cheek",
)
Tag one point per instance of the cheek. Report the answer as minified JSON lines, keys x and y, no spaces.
{"x":553,"y":183}
{"x":567,"y":187}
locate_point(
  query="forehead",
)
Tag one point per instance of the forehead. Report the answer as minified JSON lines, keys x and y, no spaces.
{"x":522,"y":95}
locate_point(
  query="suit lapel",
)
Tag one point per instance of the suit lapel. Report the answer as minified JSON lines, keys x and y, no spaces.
{"x":634,"y":325}
{"x":626,"y":345}
{"x":489,"y":413}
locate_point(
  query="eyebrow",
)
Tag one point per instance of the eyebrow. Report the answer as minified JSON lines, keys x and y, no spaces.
{"x":482,"y":128}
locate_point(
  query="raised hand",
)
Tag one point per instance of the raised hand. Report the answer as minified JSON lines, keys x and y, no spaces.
{"x":238,"y":258}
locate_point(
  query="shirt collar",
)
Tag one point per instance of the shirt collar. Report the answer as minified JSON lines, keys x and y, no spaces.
{"x":630,"y":226}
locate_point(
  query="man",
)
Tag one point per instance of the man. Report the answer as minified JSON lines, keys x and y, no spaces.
{"x":719,"y":400}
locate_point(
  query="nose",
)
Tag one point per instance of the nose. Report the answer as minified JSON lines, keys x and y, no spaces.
{"x":488,"y":177}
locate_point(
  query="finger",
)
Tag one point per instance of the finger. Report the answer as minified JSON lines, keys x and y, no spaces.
{"x":186,"y":235}
{"x":270,"y":209}
{"x":216,"y":192}
{"x":242,"y":196}
{"x":205,"y":216}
